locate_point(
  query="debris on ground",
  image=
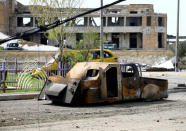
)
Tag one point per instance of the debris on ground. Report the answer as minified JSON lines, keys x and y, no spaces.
{"x":165,"y":65}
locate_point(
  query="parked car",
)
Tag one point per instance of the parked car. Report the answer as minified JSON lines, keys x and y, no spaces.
{"x":13,"y":46}
{"x":109,"y":45}
{"x":108,"y":56}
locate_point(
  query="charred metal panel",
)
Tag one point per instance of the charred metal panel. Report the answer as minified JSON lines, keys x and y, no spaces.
{"x":163,"y":84}
{"x":42,"y":95}
{"x":119,"y":86}
{"x":55,"y":89}
{"x":90,"y":91}
{"x":151,"y":92}
{"x":60,"y":90}
{"x":131,"y":88}
{"x":93,"y":95}
{"x":102,"y":75}
{"x":71,"y":90}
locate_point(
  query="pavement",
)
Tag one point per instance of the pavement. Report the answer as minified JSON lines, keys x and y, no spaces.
{"x":18,"y":96}
{"x":157,"y":74}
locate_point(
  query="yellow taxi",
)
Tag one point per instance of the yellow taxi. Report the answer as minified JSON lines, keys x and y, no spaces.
{"x":108,"y":56}
{"x":94,"y":57}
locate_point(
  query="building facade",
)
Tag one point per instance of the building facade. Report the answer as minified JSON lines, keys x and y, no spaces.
{"x":134,"y":26}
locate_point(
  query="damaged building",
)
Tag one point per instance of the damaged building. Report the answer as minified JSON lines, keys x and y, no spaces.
{"x":134,"y":26}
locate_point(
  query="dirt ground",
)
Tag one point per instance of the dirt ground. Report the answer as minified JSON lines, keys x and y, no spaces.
{"x":165,"y":115}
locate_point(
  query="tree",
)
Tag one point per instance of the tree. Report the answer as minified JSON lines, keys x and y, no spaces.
{"x":90,"y":41}
{"x":82,"y":52}
{"x":181,"y":49}
{"x":181,"y":53}
{"x":48,"y":11}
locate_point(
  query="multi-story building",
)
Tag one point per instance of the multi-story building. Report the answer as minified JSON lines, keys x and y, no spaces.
{"x":134,"y":26}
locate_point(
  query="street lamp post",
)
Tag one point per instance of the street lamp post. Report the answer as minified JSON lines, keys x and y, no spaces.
{"x":177,"y":37}
{"x":101,"y":33}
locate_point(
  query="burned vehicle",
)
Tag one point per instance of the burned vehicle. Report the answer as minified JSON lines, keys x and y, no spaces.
{"x":90,"y":82}
{"x":97,"y":82}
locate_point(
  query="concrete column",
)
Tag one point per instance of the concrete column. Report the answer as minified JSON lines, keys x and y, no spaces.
{"x":34,"y":24}
{"x":125,"y":21}
{"x":106,"y":21}
{"x":122,"y":42}
{"x":88,"y":21}
{"x":109,"y":37}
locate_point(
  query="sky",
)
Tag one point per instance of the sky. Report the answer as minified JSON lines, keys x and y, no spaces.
{"x":160,"y":6}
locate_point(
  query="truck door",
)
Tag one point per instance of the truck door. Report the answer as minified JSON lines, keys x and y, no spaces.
{"x":112,"y":82}
{"x":131,"y":82}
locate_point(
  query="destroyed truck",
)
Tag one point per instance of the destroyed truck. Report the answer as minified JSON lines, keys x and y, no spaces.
{"x":90,"y":82}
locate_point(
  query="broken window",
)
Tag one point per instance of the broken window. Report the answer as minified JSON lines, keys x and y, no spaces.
{"x":148,"y":20}
{"x":136,"y":40}
{"x":79,"y":36}
{"x":19,"y":21}
{"x":92,"y":73}
{"x":134,"y":21}
{"x":116,"y":39}
{"x":128,"y":71}
{"x":113,"y":11}
{"x":28,"y":22}
{"x":96,"y":55}
{"x":133,"y":12}
{"x":107,"y":54}
{"x":160,"y":21}
{"x":79,"y":22}
{"x":104,"y":21}
{"x":160,"y":40}
{"x":94,"y":21}
{"x":133,"y":40}
{"x":115,"y":21}
{"x":85,"y":21}
{"x":24,"y":22}
{"x":147,"y":10}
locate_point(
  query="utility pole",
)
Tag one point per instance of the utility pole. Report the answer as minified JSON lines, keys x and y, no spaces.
{"x":177,"y":37}
{"x":101,"y":33}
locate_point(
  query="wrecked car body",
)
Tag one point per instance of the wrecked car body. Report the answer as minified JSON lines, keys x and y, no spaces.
{"x":96,"y":82}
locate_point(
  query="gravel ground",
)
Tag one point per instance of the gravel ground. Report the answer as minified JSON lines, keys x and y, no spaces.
{"x":29,"y":115}
{"x":168,"y":114}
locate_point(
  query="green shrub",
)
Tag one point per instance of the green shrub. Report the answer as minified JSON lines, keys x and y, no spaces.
{"x":1,"y":48}
{"x":126,"y":49}
{"x":181,"y":49}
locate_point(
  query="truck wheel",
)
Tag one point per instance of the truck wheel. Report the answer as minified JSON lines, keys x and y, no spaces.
{"x":151,"y":92}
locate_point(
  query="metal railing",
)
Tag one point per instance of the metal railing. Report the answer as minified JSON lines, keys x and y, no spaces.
{"x":17,"y":75}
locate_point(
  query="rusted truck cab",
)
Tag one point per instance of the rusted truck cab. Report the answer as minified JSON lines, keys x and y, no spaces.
{"x":90,"y":82}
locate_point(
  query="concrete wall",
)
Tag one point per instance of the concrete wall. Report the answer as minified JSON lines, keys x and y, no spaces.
{"x":7,"y":9}
{"x":4,"y":18}
{"x":150,"y":33}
